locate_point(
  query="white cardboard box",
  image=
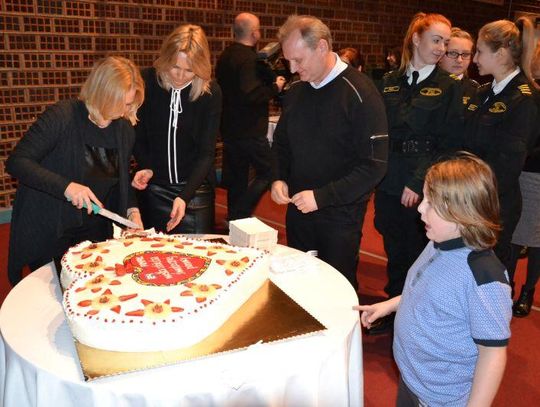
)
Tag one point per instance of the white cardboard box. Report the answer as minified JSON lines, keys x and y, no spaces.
{"x":251,"y":232}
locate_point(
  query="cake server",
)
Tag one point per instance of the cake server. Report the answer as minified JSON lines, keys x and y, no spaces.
{"x":113,"y":216}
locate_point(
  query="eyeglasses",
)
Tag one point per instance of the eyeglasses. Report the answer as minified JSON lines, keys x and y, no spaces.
{"x":455,"y":55}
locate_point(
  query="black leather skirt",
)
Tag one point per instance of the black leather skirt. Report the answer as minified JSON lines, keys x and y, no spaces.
{"x":155,"y":203}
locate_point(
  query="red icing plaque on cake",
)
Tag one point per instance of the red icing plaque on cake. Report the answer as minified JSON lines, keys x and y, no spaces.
{"x":165,"y":268}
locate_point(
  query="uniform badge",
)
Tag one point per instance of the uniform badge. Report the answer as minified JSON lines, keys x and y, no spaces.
{"x":498,"y":107}
{"x":389,"y":89}
{"x":430,"y":91}
{"x":472,"y":107}
{"x":466,"y":99}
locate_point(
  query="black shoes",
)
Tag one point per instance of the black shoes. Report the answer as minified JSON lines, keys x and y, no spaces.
{"x":382,"y":325}
{"x":522,"y":307}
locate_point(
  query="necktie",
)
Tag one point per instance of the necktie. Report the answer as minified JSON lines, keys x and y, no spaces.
{"x":489,"y":95}
{"x":415,"y":76}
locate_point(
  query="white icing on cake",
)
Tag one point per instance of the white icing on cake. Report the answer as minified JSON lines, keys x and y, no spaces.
{"x":160,"y":292}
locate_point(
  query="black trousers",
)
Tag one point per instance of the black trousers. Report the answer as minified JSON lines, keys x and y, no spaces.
{"x":238,"y":156}
{"x":403,"y":235}
{"x":155,"y":204}
{"x":337,"y":243}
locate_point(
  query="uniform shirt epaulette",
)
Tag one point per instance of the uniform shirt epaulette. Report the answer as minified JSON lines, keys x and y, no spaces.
{"x":388,"y":73}
{"x":454,"y":76}
{"x":474,"y":83}
{"x":525,"y":89}
{"x":484,"y":85}
{"x":486,"y":267}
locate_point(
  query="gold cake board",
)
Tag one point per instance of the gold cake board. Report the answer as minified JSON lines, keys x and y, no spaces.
{"x":268,"y":315}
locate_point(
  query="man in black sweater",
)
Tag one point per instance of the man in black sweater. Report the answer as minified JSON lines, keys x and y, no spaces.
{"x":247,"y":85}
{"x":330,"y":147}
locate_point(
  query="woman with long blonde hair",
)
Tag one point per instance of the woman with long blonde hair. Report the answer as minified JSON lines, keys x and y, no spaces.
{"x":501,"y":121}
{"x":176,"y":136}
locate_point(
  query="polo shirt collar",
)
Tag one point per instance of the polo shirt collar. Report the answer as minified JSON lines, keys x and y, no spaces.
{"x":339,"y":67}
{"x":451,"y":244}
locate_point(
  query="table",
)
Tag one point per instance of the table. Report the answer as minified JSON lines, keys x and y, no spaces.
{"x":39,"y":365}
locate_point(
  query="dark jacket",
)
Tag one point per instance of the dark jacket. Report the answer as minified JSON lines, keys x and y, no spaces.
{"x":424,"y":123}
{"x":45,"y":161}
{"x":332,"y":140}
{"x":470,"y":87}
{"x":247,"y":85}
{"x":502,"y":130}
{"x":191,"y":153}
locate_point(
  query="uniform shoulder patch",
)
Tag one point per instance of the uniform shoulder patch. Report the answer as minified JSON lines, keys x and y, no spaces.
{"x":454,"y":76}
{"x":474,"y":83}
{"x":486,"y":267}
{"x":484,"y":85}
{"x":525,"y":89}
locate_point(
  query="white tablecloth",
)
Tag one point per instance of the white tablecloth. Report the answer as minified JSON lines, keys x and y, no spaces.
{"x":39,"y":365}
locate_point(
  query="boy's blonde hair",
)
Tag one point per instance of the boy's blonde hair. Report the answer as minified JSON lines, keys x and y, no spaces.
{"x":191,"y":40}
{"x":463,"y":190}
{"x":104,"y":90}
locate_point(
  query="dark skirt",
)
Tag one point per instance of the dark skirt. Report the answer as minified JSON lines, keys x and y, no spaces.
{"x":155,"y":204}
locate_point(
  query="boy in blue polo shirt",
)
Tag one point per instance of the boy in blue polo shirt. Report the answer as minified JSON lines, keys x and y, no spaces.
{"x":453,"y":318}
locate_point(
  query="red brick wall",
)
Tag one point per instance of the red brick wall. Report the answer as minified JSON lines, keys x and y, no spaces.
{"x":47,"y":46}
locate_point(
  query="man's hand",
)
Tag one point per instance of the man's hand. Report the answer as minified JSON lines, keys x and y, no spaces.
{"x":141,"y":178}
{"x":305,"y":201}
{"x":280,"y":193}
{"x":177,"y":213}
{"x":80,"y":195}
{"x":409,"y":198}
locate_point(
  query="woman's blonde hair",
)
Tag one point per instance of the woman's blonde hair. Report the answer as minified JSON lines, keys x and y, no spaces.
{"x":312,"y":30}
{"x":463,"y":190}
{"x":535,"y":65}
{"x":517,"y":37}
{"x":104,"y":90}
{"x":191,"y":40}
{"x":419,"y":24}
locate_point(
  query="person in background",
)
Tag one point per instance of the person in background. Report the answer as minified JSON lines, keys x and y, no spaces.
{"x":501,"y":120}
{"x":425,"y":120}
{"x":393,"y":58}
{"x":453,"y":318}
{"x":176,"y":136}
{"x":248,"y":85}
{"x":457,"y":58}
{"x":352,"y":57}
{"x":76,"y":154}
{"x":527,"y":232}
{"x":330,"y":147}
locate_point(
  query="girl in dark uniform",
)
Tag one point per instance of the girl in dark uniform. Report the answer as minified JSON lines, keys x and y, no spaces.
{"x":501,"y":120}
{"x":527,"y":232}
{"x":457,"y":59}
{"x":425,"y":119}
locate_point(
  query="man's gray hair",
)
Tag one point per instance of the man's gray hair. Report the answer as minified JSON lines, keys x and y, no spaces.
{"x":311,"y":29}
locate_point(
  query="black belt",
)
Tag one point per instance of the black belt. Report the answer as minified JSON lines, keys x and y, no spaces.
{"x":411,"y":146}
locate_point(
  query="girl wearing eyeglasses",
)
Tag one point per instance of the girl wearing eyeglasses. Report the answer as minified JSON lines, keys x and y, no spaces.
{"x":457,"y":59}
{"x":425,"y":119}
{"x":501,"y":120}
